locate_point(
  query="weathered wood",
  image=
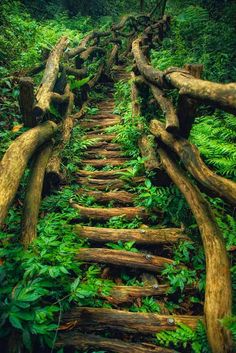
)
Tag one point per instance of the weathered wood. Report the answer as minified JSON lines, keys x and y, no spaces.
{"x":53,"y":171}
{"x":128,"y":294}
{"x":123,"y":258}
{"x":218,"y":294}
{"x":15,"y":159}
{"x":151,"y":74}
{"x":26,"y":101}
{"x":84,"y":341}
{"x":91,"y":51}
{"x":172,"y":121}
{"x":100,"y":163}
{"x":144,"y":236}
{"x":33,"y":195}
{"x":101,"y":153}
{"x":220,"y":95}
{"x":147,"y":149}
{"x":99,"y":123}
{"x":107,"y":213}
{"x":43,"y":96}
{"x":105,"y":145}
{"x":113,"y":57}
{"x":101,"y":184}
{"x":98,"y":137}
{"x":190,"y":156}
{"x":145,"y":142}
{"x":120,"y":197}
{"x":100,"y":174}
{"x":144,"y":323}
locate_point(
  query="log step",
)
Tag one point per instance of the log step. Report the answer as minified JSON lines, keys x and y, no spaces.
{"x":86,"y":341}
{"x":107,"y":213}
{"x":111,"y":174}
{"x":140,"y":236}
{"x":101,"y":184}
{"x":143,"y":323}
{"x":124,"y":258}
{"x":99,"y":123}
{"x":105,"y":145}
{"x":118,"y":197}
{"x":100,"y":153}
{"x":100,"y":163}
{"x":100,"y":138}
{"x":104,"y":116}
{"x":127,"y":294}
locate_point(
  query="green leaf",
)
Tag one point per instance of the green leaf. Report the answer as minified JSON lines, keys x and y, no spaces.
{"x":15,"y":321}
{"x":77,"y":84}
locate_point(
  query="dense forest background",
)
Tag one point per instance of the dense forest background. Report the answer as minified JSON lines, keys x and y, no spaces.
{"x":202,"y":31}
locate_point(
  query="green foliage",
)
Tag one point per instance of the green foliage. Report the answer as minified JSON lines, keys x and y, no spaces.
{"x":128,"y":246}
{"x":149,"y":305}
{"x":185,"y":337}
{"x":230,"y":324}
{"x":215,"y":136}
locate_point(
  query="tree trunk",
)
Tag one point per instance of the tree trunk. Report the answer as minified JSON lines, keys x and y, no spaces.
{"x":15,"y":160}
{"x":26,"y":101}
{"x":218,"y":295}
{"x":33,"y":195}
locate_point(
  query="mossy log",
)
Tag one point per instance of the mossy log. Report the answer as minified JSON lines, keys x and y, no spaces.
{"x":99,"y":138}
{"x":190,"y":156}
{"x":101,"y":153}
{"x":111,"y":174}
{"x":100,"y":163}
{"x":33,"y":195}
{"x":107,"y":213}
{"x":84,"y":341}
{"x":145,"y":236}
{"x":43,"y":95}
{"x":144,"y":323}
{"x":218,"y":294}
{"x":99,"y":123}
{"x":113,"y":58}
{"x":15,"y":160}
{"x":146,"y":262}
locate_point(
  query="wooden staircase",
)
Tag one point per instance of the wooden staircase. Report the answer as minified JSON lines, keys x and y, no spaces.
{"x":90,"y":328}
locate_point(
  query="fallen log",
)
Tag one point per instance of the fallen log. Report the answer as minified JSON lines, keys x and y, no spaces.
{"x":15,"y":160}
{"x":190,"y":156}
{"x":120,"y":197}
{"x":113,"y":58}
{"x":123,"y":258}
{"x":107,"y":213}
{"x":101,"y":123}
{"x":98,"y":137}
{"x":144,"y":236}
{"x":103,"y":153}
{"x":84,"y":341}
{"x":101,"y":184}
{"x":91,"y":51}
{"x":144,"y":323}
{"x":218,"y":294}
{"x":43,"y":95}
{"x":33,"y":195}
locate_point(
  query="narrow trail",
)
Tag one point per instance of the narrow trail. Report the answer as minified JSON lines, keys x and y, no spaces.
{"x":108,"y":187}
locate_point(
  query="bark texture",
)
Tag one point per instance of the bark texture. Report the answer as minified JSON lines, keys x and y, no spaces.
{"x":15,"y":160}
{"x":33,"y":195}
{"x":218,"y":294}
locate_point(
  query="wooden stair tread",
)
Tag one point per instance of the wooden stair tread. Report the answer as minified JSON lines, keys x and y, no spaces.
{"x":140,"y":236}
{"x":99,"y":137}
{"x":100,"y":163}
{"x":85,"y":341}
{"x":120,"y":197}
{"x":144,"y":323}
{"x":100,"y":174}
{"x":107,"y":213}
{"x":124,"y":258}
{"x":103,"y":153}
